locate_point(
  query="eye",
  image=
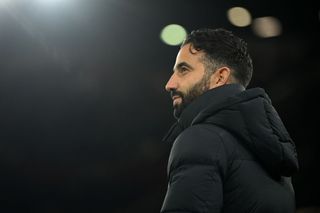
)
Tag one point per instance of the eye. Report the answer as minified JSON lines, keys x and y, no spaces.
{"x":183,"y":70}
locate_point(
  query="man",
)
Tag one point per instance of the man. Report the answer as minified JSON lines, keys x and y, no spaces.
{"x":231,"y":152}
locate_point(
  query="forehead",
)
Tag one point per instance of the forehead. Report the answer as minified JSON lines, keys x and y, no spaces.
{"x":188,"y":54}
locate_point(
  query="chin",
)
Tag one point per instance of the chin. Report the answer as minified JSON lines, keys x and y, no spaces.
{"x":177,"y":111}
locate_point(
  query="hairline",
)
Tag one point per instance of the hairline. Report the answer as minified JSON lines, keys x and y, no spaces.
{"x":210,"y":63}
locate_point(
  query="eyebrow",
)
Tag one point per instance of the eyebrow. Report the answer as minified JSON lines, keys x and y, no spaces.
{"x":182,"y":64}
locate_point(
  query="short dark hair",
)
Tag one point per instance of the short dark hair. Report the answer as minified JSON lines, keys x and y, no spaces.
{"x":222,"y":48}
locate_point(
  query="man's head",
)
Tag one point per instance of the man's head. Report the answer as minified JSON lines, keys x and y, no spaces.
{"x":208,"y":58}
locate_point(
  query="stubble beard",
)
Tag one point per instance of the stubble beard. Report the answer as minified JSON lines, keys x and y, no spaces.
{"x":192,"y":93}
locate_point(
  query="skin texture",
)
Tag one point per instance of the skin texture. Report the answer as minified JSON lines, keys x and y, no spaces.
{"x":192,"y":78}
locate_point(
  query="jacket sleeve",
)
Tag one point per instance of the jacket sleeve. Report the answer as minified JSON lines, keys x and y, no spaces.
{"x":196,"y":168}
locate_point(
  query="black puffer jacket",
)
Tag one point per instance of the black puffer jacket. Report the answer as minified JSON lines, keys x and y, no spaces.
{"x":231,"y":154}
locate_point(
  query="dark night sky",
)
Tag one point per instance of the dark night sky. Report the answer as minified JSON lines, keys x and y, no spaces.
{"x":83,"y":106}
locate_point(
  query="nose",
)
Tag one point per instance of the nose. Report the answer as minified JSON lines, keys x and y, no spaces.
{"x":172,"y":83}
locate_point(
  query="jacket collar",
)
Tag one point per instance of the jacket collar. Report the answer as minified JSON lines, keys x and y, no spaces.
{"x":212,"y":97}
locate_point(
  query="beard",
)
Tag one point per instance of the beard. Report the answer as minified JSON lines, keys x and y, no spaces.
{"x":192,"y":93}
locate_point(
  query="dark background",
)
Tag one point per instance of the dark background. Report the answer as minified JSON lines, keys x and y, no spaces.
{"x":83,"y":107}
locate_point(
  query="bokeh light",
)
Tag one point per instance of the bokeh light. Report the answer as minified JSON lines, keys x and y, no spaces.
{"x":173,"y":34}
{"x":267,"y":27}
{"x":50,"y":1}
{"x":4,"y":3}
{"x":239,"y":16}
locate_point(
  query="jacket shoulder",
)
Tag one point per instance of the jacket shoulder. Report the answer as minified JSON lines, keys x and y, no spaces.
{"x":198,"y":144}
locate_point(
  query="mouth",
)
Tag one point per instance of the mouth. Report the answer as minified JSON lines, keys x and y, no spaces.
{"x":175,"y":99}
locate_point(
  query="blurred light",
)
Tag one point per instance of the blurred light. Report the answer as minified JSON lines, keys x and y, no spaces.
{"x":4,"y":3}
{"x":50,"y":2}
{"x":173,"y":34}
{"x":239,"y":16}
{"x":266,"y":27}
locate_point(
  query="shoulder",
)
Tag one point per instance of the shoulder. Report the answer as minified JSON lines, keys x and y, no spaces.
{"x":203,"y":136}
{"x":198,"y":144}
{"x":199,"y":135}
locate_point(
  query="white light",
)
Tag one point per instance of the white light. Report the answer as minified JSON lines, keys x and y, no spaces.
{"x":173,"y":34}
{"x":267,"y":27}
{"x":239,"y":16}
{"x":50,"y":2}
{"x":4,"y":3}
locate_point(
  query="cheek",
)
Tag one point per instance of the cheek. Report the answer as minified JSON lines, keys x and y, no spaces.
{"x":189,"y":82}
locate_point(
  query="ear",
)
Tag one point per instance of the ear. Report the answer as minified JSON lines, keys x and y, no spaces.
{"x":220,"y":77}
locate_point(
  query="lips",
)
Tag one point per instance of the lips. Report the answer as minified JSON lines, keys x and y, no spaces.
{"x":175,"y":97}
{"x":175,"y":100}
